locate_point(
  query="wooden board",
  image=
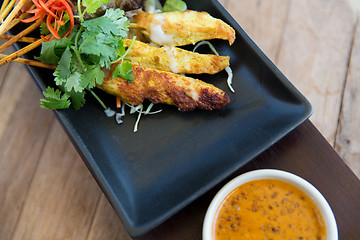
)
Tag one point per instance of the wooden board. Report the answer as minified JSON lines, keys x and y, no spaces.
{"x":264,"y":21}
{"x":348,"y":139}
{"x":21,"y":143}
{"x":62,"y":192}
{"x":311,"y":43}
{"x":315,"y":54}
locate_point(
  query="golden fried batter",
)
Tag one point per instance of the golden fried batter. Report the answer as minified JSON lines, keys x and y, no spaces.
{"x":182,"y":28}
{"x":176,"y":60}
{"x":164,"y":87}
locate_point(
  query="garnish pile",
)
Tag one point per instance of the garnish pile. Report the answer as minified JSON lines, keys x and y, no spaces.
{"x":78,"y":52}
{"x":82,"y":50}
{"x":80,"y":57}
{"x":56,"y":12}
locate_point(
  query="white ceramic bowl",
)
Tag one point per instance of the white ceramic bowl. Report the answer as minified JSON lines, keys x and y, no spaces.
{"x":310,"y":190}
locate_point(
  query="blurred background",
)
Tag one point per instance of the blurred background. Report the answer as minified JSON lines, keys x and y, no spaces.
{"x":316,"y":44}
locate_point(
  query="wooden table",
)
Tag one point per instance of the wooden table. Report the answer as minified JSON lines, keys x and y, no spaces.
{"x":46,"y":192}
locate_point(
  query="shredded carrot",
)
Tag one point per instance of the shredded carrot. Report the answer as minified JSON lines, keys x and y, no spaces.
{"x":33,"y":11}
{"x":42,"y":4}
{"x":54,"y":11}
{"x":118,"y":102}
{"x":71,"y":17}
{"x":50,"y":27}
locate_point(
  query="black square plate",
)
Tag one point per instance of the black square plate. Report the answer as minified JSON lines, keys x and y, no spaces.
{"x":175,"y":157}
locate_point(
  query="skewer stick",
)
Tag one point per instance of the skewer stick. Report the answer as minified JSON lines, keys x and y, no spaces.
{"x":134,"y":25}
{"x":15,"y":21}
{"x":23,"y":39}
{"x":146,"y":33}
{"x":20,"y":52}
{"x":138,"y":34}
{"x":21,"y":34}
{"x":12,"y":24}
{"x":11,"y":16}
{"x":6,"y":11}
{"x":5,"y":2}
{"x":30,"y":62}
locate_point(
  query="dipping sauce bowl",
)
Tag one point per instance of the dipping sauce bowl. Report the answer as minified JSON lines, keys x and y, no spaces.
{"x":269,"y":204}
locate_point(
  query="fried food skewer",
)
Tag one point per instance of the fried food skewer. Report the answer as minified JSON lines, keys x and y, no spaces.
{"x":173,"y":59}
{"x":164,"y":87}
{"x":158,"y":86}
{"x":183,"y":28}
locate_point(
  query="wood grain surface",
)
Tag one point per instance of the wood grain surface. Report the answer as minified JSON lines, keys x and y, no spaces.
{"x":46,"y":191}
{"x":348,"y":139}
{"x":315,"y":44}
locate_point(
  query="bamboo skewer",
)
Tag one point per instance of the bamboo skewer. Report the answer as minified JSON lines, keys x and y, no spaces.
{"x":23,"y":39}
{"x":146,"y":33}
{"x":7,"y":9}
{"x":20,"y":52}
{"x":14,"y":22}
{"x":21,"y":34}
{"x":5,"y":2}
{"x":10,"y":22}
{"x":11,"y":16}
{"x":30,"y":62}
{"x":134,"y":25}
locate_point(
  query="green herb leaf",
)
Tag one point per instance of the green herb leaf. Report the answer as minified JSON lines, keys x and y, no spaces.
{"x":121,"y":50}
{"x":47,"y":54}
{"x":92,"y":76}
{"x":174,"y":5}
{"x":62,"y":30}
{"x":113,"y":22}
{"x":102,"y":46}
{"x":102,"y":36}
{"x":43,"y":29}
{"x":124,"y":70}
{"x":81,"y":57}
{"x":52,"y":51}
{"x":77,"y":99}
{"x":74,"y":82}
{"x":63,"y":70}
{"x":54,"y":99}
{"x":92,"y":5}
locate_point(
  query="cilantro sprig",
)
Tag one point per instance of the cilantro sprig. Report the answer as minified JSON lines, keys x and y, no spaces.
{"x":55,"y":99}
{"x":90,"y":6}
{"x":80,"y":57}
{"x":124,"y":68}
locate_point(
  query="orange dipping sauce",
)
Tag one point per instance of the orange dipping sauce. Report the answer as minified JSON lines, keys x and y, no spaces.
{"x":268,"y":209}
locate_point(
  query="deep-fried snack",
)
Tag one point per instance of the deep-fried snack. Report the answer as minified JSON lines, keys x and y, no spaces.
{"x":165,"y":87}
{"x":173,"y":59}
{"x":183,"y":27}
